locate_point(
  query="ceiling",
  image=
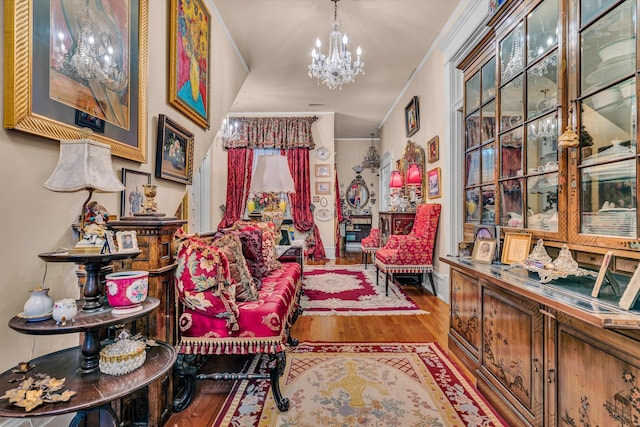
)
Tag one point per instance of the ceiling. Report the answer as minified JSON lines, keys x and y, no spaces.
{"x":275,"y":38}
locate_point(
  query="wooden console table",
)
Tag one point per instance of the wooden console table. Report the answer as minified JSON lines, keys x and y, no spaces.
{"x":394,"y":223}
{"x":544,"y":353}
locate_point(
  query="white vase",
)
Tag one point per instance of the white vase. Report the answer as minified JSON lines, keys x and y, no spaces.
{"x":39,"y":303}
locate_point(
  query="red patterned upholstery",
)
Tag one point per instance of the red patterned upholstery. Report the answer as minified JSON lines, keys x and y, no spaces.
{"x":369,"y":245}
{"x":412,"y":253}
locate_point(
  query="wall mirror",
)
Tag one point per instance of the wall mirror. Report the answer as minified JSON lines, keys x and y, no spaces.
{"x":357,"y":194}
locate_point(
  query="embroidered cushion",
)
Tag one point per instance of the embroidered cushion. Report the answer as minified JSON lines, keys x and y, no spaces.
{"x":232,"y":248}
{"x":269,"y":235}
{"x":203,"y":280}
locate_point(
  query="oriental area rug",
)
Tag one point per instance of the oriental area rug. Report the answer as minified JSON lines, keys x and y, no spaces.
{"x":352,"y":291}
{"x":361,"y":384}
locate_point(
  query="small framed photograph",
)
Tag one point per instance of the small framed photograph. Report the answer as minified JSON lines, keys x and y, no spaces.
{"x":323,"y":171}
{"x":433,"y":147}
{"x":412,"y":116}
{"x":127,"y":241}
{"x":433,"y":180}
{"x":465,"y":249}
{"x":86,"y":120}
{"x":323,"y":187}
{"x":484,"y":232}
{"x":174,"y":153}
{"x":316,"y":199}
{"x":630,"y":294}
{"x":133,"y":194}
{"x":516,"y":247}
{"x":603,"y":271}
{"x":483,"y":251}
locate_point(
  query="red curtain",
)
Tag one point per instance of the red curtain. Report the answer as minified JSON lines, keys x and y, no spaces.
{"x":240,"y":169}
{"x":301,"y":201}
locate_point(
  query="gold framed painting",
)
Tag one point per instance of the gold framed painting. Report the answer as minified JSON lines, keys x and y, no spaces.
{"x":189,"y":59}
{"x":516,"y":247}
{"x":174,"y":152}
{"x":67,"y":88}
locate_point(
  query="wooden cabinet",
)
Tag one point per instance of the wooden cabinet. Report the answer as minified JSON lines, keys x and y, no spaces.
{"x":543,"y":67}
{"x":155,"y":237}
{"x":545,"y":354}
{"x":395,"y":223}
{"x":359,"y":228}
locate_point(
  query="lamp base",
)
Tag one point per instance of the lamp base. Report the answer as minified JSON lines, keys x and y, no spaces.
{"x":274,"y":216}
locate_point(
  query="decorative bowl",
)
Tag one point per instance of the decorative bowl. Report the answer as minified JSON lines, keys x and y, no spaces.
{"x":122,"y":357}
{"x":126,"y":290}
{"x":617,"y":48}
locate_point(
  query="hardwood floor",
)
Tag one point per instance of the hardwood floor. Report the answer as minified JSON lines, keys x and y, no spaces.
{"x":406,"y":328}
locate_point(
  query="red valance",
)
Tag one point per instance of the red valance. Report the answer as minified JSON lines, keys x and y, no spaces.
{"x":284,"y":133}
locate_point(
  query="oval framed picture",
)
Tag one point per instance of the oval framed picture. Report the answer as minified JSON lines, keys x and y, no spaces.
{"x":323,"y":202}
{"x":323,"y":214}
{"x":323,"y":153}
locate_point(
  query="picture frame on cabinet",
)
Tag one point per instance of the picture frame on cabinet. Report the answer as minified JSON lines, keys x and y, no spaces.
{"x":412,"y":116}
{"x":127,"y":241}
{"x":189,"y":60}
{"x":465,"y":249}
{"x":483,"y":251}
{"x":174,"y":151}
{"x":516,"y":247}
{"x":433,"y":148}
{"x":632,"y":291}
{"x":132,"y":196}
{"x":42,"y":96}
{"x":601,"y":274}
{"x":434,"y":184}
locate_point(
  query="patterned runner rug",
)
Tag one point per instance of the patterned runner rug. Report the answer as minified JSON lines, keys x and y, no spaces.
{"x":351,"y":291}
{"x":361,"y":384}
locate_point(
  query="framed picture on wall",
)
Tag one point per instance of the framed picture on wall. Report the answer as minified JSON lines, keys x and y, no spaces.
{"x":412,"y":116}
{"x":323,"y":187}
{"x":323,"y":171}
{"x":48,"y":82}
{"x":189,"y":62}
{"x":433,"y":183}
{"x":174,"y":153}
{"x":433,"y":149}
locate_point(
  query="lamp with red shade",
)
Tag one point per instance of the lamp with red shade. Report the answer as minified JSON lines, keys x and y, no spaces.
{"x":414,"y":182}
{"x":395,"y":184}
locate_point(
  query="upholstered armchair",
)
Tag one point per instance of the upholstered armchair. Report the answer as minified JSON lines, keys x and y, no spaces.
{"x":411,"y":253}
{"x":369,"y":245}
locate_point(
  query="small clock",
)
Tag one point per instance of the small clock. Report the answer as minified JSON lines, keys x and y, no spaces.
{"x":323,"y":153}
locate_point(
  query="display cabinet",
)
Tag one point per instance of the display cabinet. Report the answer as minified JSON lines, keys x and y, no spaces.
{"x":394,"y":223}
{"x":545,"y":66}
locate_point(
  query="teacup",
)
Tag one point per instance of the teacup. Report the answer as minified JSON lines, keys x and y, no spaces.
{"x":64,"y":310}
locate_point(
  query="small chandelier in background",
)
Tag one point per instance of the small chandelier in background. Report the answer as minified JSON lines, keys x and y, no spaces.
{"x":336,"y":68}
{"x":229,"y":130}
{"x":372,"y":158}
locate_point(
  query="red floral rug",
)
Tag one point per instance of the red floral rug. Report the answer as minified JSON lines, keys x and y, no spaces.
{"x":361,"y":384}
{"x":352,"y":291}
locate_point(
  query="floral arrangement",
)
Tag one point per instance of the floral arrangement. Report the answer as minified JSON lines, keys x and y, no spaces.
{"x":174,"y":152}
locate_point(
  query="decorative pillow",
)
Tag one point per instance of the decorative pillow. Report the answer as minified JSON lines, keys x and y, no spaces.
{"x":203,"y":280}
{"x":232,"y":248}
{"x":269,"y":235}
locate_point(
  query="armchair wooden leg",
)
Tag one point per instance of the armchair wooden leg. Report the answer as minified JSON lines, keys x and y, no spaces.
{"x":386,"y":283}
{"x":377,"y":276}
{"x":433,"y":285}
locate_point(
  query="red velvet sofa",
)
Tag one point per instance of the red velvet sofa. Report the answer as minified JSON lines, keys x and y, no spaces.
{"x":234,"y":298}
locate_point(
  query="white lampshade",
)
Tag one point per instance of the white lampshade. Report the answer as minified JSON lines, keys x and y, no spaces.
{"x":84,"y":165}
{"x":272,"y":175}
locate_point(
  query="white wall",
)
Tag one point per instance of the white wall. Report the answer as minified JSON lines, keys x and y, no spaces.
{"x":436,"y":83}
{"x":36,"y":220}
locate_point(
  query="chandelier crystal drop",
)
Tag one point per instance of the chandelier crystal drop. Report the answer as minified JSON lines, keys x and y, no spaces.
{"x":336,"y":68}
{"x":372,"y":158}
{"x":229,"y":130}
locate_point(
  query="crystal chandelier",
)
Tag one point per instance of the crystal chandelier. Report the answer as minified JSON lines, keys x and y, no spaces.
{"x":229,"y":131}
{"x":336,"y":68}
{"x":372,"y":158}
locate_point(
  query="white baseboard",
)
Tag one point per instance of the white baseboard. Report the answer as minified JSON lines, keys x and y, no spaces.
{"x":59,"y":421}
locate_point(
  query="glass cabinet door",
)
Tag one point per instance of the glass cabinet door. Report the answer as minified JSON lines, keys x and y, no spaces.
{"x":607,"y":153}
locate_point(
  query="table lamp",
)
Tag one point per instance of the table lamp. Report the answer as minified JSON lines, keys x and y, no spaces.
{"x":272,"y":176}
{"x":86,"y":165}
{"x":395,"y":184}
{"x":414,"y":181}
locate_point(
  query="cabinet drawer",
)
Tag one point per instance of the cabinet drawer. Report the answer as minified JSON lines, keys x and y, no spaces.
{"x":626,"y":265}
{"x":588,"y":258}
